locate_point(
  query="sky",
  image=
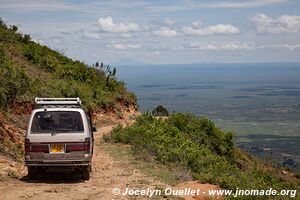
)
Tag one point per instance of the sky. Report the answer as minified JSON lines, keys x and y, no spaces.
{"x":162,"y":31}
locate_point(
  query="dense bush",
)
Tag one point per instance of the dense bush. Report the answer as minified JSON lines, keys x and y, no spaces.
{"x":196,"y":144}
{"x":14,"y":82}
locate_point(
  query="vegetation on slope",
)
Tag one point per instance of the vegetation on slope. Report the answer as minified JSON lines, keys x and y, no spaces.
{"x":28,"y":69}
{"x":196,"y":144}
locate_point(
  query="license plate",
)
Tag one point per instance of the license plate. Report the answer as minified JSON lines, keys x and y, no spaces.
{"x":57,"y":148}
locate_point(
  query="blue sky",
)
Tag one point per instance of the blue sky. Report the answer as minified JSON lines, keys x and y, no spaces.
{"x":169,"y":32}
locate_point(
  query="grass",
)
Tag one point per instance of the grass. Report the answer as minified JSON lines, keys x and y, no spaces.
{"x":13,"y":174}
{"x":124,"y":154}
{"x":14,"y":150}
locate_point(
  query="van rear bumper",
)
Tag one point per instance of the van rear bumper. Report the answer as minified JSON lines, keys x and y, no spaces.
{"x":40,"y":160}
{"x":85,"y":161}
{"x":57,"y":163}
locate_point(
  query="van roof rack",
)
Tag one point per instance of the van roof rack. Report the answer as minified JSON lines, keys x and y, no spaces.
{"x":58,"y":101}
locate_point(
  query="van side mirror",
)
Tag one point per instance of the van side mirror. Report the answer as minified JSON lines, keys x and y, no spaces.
{"x":94,"y":129}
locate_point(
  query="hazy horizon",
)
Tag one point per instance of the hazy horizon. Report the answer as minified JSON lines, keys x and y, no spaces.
{"x":200,"y":63}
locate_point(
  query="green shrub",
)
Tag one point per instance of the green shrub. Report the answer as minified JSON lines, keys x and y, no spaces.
{"x":7,"y":34}
{"x":160,"y":110}
{"x":26,"y":38}
{"x":39,"y":55}
{"x":196,"y":144}
{"x":14,"y":82}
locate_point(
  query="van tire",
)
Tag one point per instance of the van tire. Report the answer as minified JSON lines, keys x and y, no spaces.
{"x":33,"y":173}
{"x":86,"y":173}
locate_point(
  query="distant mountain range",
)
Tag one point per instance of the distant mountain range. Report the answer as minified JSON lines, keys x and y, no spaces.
{"x":128,"y":61}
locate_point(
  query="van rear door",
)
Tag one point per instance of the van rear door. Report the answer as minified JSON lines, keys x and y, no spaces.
{"x":57,"y":135}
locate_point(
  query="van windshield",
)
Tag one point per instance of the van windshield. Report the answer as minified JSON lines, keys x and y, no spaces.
{"x":57,"y":121}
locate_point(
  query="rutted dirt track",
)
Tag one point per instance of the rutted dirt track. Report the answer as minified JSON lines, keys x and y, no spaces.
{"x":107,"y":174}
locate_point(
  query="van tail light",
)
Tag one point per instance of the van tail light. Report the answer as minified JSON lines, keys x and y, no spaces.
{"x":75,"y":147}
{"x":87,"y":145}
{"x":39,"y":148}
{"x":80,"y":146}
{"x":27,"y":146}
{"x":31,"y":147}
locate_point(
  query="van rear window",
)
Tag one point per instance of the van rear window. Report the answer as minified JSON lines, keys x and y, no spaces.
{"x":57,"y":121}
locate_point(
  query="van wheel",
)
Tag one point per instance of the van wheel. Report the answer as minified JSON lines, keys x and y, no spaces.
{"x":33,"y":173}
{"x":86,"y":173}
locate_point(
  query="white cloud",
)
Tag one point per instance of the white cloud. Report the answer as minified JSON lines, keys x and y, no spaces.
{"x":126,"y":35}
{"x":169,"y":22}
{"x":242,"y":4}
{"x":283,"y":24}
{"x":41,"y":42}
{"x":280,"y":46}
{"x":107,"y":25}
{"x":165,"y":32}
{"x":77,"y":6}
{"x":219,"y":29}
{"x":189,"y":5}
{"x":222,"y":46}
{"x":197,"y":24}
{"x":154,"y":53}
{"x":92,"y":35}
{"x":36,"y":5}
{"x":56,"y":40}
{"x":240,"y":46}
{"x":124,"y":46}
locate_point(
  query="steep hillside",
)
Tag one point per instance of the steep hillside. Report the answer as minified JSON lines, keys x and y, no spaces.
{"x":29,"y":70}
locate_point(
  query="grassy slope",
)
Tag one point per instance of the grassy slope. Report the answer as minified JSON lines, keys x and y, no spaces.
{"x":208,"y":153}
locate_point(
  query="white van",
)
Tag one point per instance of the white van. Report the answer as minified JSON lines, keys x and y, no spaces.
{"x":59,"y":137}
